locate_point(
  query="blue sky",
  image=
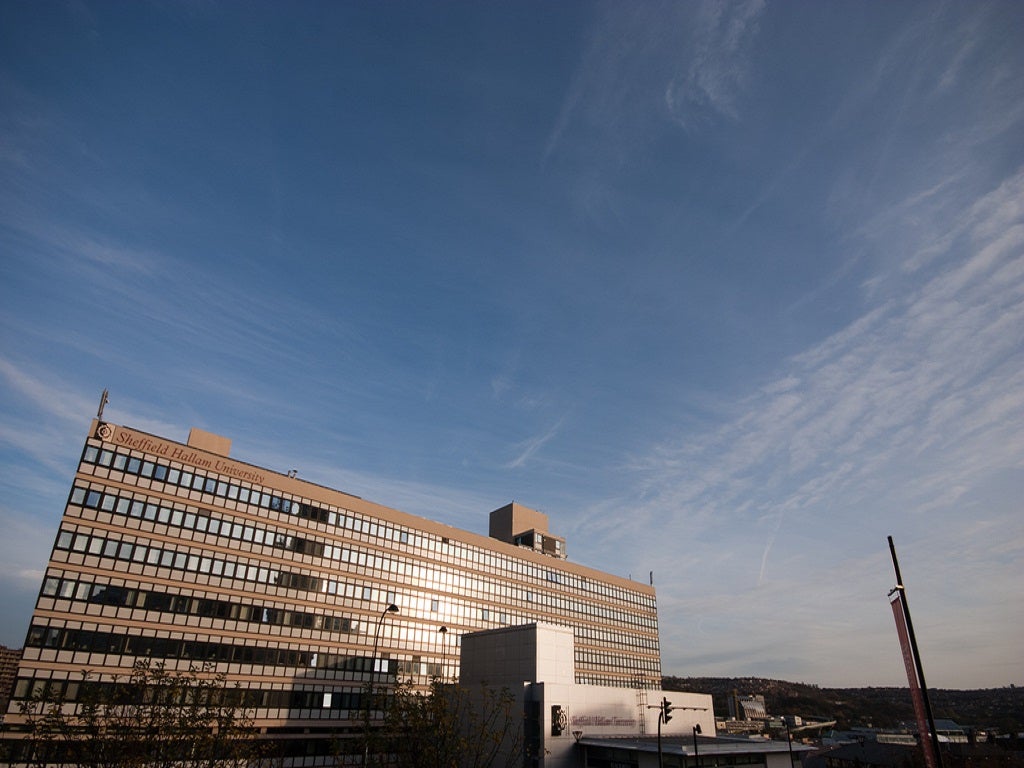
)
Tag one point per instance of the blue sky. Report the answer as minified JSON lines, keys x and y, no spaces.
{"x":732,"y":291}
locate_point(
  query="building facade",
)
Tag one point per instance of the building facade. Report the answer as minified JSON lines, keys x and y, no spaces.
{"x":568,"y":725}
{"x":9,"y":658}
{"x":560,"y":715}
{"x":300,"y":594}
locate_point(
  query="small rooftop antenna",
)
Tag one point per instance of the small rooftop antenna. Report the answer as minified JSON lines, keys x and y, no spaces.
{"x":103,"y":401}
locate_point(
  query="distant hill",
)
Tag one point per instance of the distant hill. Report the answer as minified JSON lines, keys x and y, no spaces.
{"x":989,"y":708}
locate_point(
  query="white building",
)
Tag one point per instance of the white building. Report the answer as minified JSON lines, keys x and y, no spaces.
{"x":567,"y":725}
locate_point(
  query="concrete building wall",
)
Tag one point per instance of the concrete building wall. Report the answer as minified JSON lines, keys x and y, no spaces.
{"x":178,"y":553}
{"x":535,"y":663}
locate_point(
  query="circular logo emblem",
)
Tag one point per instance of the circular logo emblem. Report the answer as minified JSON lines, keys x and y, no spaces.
{"x":104,"y":431}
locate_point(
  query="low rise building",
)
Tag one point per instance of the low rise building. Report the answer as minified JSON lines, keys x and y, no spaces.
{"x":568,"y":725}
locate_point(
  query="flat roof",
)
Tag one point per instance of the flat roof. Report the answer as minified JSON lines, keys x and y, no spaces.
{"x":683,"y":745}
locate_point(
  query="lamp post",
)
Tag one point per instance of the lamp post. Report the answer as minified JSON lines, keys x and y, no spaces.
{"x":696,"y":753}
{"x":789,"y":741}
{"x":392,"y":608}
{"x":443,"y":631}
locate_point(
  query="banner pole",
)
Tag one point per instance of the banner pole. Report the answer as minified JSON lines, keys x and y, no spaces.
{"x":917,"y":660}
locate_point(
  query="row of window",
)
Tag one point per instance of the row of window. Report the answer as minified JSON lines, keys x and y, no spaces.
{"x":610,"y":662}
{"x":179,"y":516}
{"x":170,"y":557}
{"x":143,"y":646}
{"x":604,"y":637}
{"x":443,"y":579}
{"x":652,"y":682}
{"x":309,"y":751}
{"x":83,"y":590}
{"x":150,"y":508}
{"x":151,"y":600}
{"x":212,"y":484}
{"x":250,"y":697}
{"x":439,"y":549}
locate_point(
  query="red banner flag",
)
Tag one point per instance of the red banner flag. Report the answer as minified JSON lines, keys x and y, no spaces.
{"x":915,"y":686}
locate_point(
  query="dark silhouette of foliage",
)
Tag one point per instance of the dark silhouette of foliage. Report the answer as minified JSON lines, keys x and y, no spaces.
{"x":451,"y":726}
{"x":152,"y":717}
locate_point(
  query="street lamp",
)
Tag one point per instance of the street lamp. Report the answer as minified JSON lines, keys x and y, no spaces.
{"x":443,"y":632}
{"x":696,"y":754}
{"x":392,"y":608}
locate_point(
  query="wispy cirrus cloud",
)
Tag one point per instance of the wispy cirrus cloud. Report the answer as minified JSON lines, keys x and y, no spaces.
{"x":904,"y":376}
{"x":691,"y":60}
{"x":529,"y":448}
{"x":711,"y":82}
{"x":900,"y":421}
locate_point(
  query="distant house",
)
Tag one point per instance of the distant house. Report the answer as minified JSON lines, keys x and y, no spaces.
{"x":875,"y":754}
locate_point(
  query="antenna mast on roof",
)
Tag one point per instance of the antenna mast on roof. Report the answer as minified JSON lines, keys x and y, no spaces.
{"x":103,"y":401}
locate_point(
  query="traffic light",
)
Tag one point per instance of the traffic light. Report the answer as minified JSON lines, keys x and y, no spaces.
{"x":666,"y":707}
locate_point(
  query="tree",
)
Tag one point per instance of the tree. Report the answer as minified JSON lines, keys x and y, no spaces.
{"x":452,"y":726}
{"x":152,"y":717}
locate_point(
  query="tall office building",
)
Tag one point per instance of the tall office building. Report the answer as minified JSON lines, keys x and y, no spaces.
{"x":9,"y":658}
{"x":177,"y":553}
